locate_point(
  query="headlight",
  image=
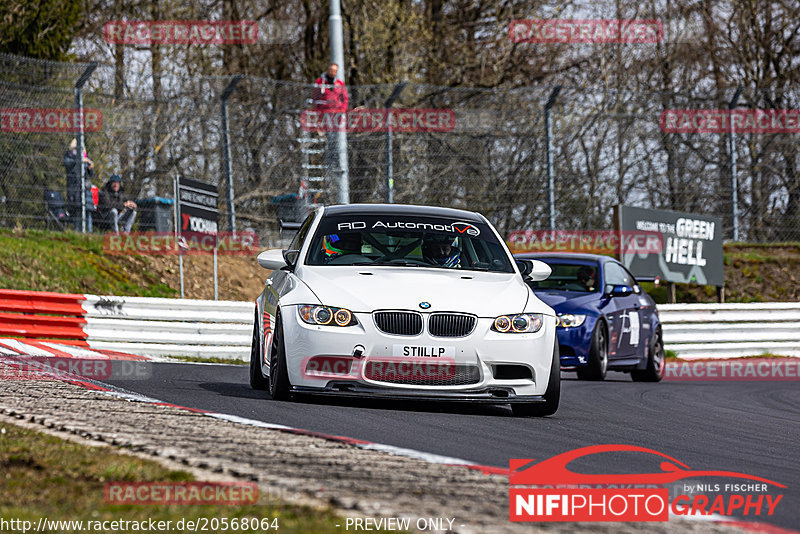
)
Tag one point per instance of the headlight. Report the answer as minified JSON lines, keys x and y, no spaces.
{"x":326,"y":316}
{"x":522,"y":323}
{"x":567,"y":320}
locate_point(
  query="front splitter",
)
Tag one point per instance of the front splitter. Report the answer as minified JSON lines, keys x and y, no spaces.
{"x":494,"y":395}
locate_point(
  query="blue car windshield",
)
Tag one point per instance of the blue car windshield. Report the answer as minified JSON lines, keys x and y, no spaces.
{"x":412,"y":241}
{"x":571,"y":277}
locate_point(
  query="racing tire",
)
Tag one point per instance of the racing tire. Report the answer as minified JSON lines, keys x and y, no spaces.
{"x":257,"y":380}
{"x":552,"y":395}
{"x":279,"y":386}
{"x":656,"y":362}
{"x":597,"y":366}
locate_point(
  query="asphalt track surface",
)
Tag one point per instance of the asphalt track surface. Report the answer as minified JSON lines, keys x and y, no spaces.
{"x":746,"y":427}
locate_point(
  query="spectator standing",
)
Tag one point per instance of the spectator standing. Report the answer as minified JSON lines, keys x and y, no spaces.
{"x":115,"y":208}
{"x":72,"y":164}
{"x":330,"y":97}
{"x":330,"y":94}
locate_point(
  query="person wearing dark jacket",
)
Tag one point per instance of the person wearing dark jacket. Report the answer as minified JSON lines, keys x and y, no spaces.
{"x":114,"y":206}
{"x":72,"y":163}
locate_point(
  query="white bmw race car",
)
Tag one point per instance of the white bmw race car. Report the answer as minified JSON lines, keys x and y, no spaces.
{"x":404,"y":302}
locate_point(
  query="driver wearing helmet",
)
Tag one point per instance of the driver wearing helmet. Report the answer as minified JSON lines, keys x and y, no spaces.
{"x":335,"y":245}
{"x":585,"y":277}
{"x":439,"y":250}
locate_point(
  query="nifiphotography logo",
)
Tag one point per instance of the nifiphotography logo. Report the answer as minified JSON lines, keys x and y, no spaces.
{"x":549,"y":491}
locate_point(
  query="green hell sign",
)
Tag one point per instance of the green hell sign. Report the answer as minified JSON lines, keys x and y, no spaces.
{"x":691,"y":246}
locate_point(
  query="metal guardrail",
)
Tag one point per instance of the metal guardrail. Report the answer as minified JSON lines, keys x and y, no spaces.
{"x":223,"y":329}
{"x":40,"y":314}
{"x":731,"y":330}
{"x":170,"y":327}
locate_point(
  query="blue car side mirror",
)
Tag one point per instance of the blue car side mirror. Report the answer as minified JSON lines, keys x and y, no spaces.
{"x":620,"y":290}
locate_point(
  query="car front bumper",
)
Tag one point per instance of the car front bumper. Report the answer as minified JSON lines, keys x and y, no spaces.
{"x":484,"y":351}
{"x":575,"y":343}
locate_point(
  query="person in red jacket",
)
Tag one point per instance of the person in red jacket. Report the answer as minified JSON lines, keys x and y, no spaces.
{"x":330,"y":94}
{"x":330,"y":101}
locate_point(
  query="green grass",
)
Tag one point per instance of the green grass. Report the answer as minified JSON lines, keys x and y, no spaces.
{"x":68,"y":262}
{"x":44,"y":476}
{"x":763,"y":245}
{"x":749,"y":257}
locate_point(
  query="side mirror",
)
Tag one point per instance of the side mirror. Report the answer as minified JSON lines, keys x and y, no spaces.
{"x":272,"y":259}
{"x":290,"y":256}
{"x":525,"y":267}
{"x":539,"y":270}
{"x":620,"y":290}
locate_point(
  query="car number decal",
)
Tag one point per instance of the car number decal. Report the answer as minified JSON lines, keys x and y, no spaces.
{"x":634,"y":319}
{"x":424,"y":351}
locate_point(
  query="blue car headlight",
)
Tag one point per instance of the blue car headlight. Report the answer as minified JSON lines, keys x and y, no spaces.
{"x":522,"y":323}
{"x":568,"y":320}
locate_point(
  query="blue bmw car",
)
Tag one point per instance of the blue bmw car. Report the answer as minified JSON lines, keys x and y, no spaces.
{"x":605,"y":319}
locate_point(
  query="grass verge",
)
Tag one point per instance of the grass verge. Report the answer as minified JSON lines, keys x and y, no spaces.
{"x":68,"y":262}
{"x":43,"y":476}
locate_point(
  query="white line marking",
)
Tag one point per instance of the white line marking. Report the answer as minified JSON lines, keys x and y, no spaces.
{"x":24,"y":349}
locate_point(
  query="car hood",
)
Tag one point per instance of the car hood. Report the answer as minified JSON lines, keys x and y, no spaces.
{"x":569,"y":301}
{"x":404,"y":288}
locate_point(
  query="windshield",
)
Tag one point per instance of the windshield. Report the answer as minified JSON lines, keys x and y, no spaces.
{"x":570,"y":277}
{"x":407,"y":240}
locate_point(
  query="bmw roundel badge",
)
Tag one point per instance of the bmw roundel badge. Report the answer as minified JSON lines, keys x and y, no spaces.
{"x":424,"y":305}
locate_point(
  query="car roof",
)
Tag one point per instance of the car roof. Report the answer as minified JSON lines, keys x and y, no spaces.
{"x":402,"y":209}
{"x":565,"y":256}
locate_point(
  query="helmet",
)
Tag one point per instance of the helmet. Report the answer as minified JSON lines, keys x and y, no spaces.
{"x":585,"y":272}
{"x":450,"y":261}
{"x":336,"y":245}
{"x":329,"y":245}
{"x":439,"y":250}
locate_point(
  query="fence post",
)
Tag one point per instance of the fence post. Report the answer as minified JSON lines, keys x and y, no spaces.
{"x":226,"y":150}
{"x":87,"y":73}
{"x":732,"y":164}
{"x":551,"y":202}
{"x":389,"y":163}
{"x":337,"y":56}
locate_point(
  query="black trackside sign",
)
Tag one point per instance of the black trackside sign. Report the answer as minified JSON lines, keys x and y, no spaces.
{"x":691,"y":248}
{"x":198,"y":209}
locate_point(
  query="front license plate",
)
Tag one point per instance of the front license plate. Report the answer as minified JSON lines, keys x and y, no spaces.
{"x":424,"y":351}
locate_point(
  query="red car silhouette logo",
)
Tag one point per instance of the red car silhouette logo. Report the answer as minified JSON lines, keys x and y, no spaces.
{"x":553,"y":471}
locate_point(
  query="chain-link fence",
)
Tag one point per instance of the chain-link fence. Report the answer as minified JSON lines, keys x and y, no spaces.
{"x":607,"y":148}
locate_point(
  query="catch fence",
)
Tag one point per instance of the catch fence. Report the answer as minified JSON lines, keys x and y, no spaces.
{"x":607,"y":147}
